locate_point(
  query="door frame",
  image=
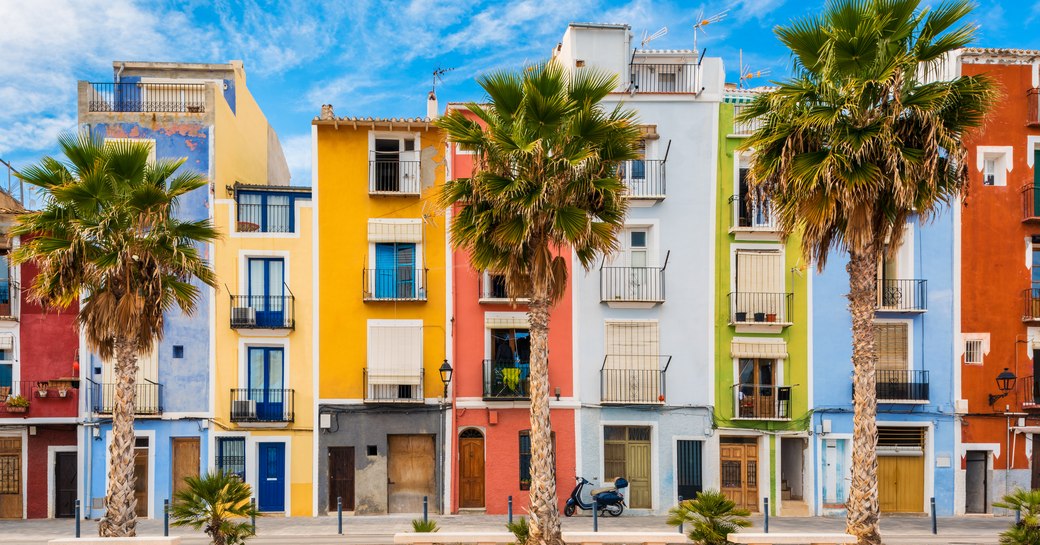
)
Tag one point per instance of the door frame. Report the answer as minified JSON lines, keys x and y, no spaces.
{"x":245,"y":343}
{"x":655,"y":451}
{"x":328,"y":476}
{"x":253,"y":467}
{"x":243,"y":265}
{"x":458,"y":454}
{"x":52,"y":459}
{"x":986,"y":473}
{"x":152,"y":447}
{"x":23,"y":434}
{"x":675,"y":462}
{"x":929,"y":452}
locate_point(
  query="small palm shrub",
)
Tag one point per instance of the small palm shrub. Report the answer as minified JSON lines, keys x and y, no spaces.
{"x":710,"y":517}
{"x":520,"y":530}
{"x":424,"y":526}
{"x":219,"y":504}
{"x":1027,"y":530}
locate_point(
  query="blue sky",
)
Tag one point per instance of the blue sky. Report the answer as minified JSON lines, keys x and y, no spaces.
{"x":365,"y":57}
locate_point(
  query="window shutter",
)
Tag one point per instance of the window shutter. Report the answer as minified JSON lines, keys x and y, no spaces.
{"x":381,"y":230}
{"x":394,"y":353}
{"x":891,"y":341}
{"x":759,"y":272}
{"x":632,"y":345}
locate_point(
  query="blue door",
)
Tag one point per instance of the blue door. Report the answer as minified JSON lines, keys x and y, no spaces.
{"x":267,"y":291}
{"x":395,"y":270}
{"x":271,"y":477}
{"x":266,"y":385}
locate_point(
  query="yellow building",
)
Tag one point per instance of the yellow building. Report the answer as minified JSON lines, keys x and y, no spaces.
{"x":382,"y":320}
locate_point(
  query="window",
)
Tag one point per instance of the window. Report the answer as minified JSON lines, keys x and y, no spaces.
{"x":395,"y":368}
{"x":265,"y":382}
{"x":631,"y":367}
{"x":178,"y":351}
{"x":10,"y":474}
{"x":525,"y":458}
{"x":973,"y":351}
{"x":752,"y":206}
{"x":266,"y":293}
{"x":757,"y":393}
{"x":265,"y":212}
{"x":394,"y":165}
{"x":993,"y":162}
{"x":891,"y":341}
{"x":989,"y":173}
{"x":231,"y":455}
{"x":6,"y":365}
{"x":395,"y":272}
{"x":760,"y":295}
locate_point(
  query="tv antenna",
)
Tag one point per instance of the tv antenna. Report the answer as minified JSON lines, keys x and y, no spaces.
{"x":647,"y":39}
{"x":746,"y":73}
{"x":438,"y":75}
{"x":703,"y":22}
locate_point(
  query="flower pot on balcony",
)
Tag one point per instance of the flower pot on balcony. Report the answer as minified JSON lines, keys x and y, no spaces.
{"x":41,"y":389}
{"x":741,"y":317}
{"x":760,"y":316}
{"x":770,"y":317}
{"x":17,"y":409}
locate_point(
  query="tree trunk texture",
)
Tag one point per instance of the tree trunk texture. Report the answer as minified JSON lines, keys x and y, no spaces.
{"x":120,"y":518}
{"x":862,"y":507}
{"x":544,"y":505}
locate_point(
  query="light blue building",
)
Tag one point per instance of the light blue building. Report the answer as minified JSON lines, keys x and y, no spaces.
{"x":916,"y":411}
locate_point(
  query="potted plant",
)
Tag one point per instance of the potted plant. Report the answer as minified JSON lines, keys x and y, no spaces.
{"x":17,"y":404}
{"x":760,"y":316}
{"x":41,"y":389}
{"x":771,"y":317}
{"x":741,"y":317}
{"x":63,"y":389}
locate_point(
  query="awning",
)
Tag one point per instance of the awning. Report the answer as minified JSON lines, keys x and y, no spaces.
{"x":516,"y":320}
{"x":649,"y":132}
{"x":381,"y":230}
{"x":6,"y":341}
{"x":758,"y":349}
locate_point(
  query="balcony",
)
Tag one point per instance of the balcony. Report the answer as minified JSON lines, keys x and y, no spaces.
{"x":506,"y":379}
{"x":633,"y":379}
{"x":756,"y":217}
{"x":761,"y":309}
{"x":902,"y":385}
{"x":391,"y":177}
{"x":9,"y":294}
{"x":263,"y":311}
{"x":1030,"y":203}
{"x":264,"y":218}
{"x":664,"y":78}
{"x":644,"y":179}
{"x":744,"y":128}
{"x":762,"y":402}
{"x":905,"y":295}
{"x":1031,"y":303}
{"x":643,"y":285}
{"x":147,"y":97}
{"x":1029,"y":390}
{"x":1033,"y":107}
{"x":394,"y":284}
{"x":387,"y":386}
{"x":492,"y":289}
{"x":149,"y":398}
{"x":262,"y":405}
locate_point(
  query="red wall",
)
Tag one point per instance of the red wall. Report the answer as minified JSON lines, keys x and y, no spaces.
{"x":37,"y":468}
{"x":993,"y":264}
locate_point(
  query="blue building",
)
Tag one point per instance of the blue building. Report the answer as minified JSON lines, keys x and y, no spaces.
{"x":916,"y":416}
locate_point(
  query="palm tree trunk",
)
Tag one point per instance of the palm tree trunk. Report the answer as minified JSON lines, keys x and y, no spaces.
{"x":862,"y":507}
{"x":120,"y":518}
{"x":544,"y":506}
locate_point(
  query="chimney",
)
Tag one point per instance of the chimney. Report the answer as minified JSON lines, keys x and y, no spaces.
{"x":432,"y":111}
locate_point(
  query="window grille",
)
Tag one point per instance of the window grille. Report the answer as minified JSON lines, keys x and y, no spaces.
{"x":973,"y":351}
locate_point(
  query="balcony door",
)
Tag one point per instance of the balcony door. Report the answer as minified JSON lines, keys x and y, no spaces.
{"x":395,"y":270}
{"x":636,"y":252}
{"x":266,"y":382}
{"x":752,"y":208}
{"x":756,"y":395}
{"x":6,"y":305}
{"x":510,"y":357}
{"x":267,"y":290}
{"x":760,"y":293}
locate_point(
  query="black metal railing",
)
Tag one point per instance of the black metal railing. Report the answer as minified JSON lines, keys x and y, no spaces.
{"x":643,"y":178}
{"x":394,"y":177}
{"x":1033,"y":108}
{"x":664,"y":78}
{"x":902,"y":385}
{"x":148,"y":397}
{"x":262,"y":405}
{"x":761,"y":308}
{"x":394,"y":284}
{"x":762,"y":401}
{"x":754,"y":215}
{"x":1031,"y":298}
{"x":744,"y":128}
{"x":8,"y":298}
{"x":904,"y":295}
{"x":633,"y":379}
{"x":1031,"y":202}
{"x":492,"y":288}
{"x":147,"y":97}
{"x":393,"y":387}
{"x":632,"y":284}
{"x":263,"y":311}
{"x":1029,"y":390}
{"x":264,"y":218}
{"x":506,"y":379}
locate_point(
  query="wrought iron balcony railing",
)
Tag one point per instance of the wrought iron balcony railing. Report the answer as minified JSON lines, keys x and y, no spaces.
{"x":753,"y":216}
{"x":506,"y":379}
{"x":759,"y":308}
{"x":262,"y":405}
{"x":394,"y":284}
{"x":385,"y":386}
{"x":1029,"y":392}
{"x":762,"y":401}
{"x":632,"y":284}
{"x":902,"y":385}
{"x":1030,"y":203}
{"x":663,"y":78}
{"x":148,"y":397}
{"x":902,"y":295}
{"x":1031,"y":300}
{"x":644,"y":178}
{"x":492,"y":288}
{"x":394,"y":177}
{"x":263,"y":311}
{"x":633,"y":379}
{"x":147,"y":97}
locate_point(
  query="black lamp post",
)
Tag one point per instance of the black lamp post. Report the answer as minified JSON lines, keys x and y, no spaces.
{"x":445,"y":372}
{"x":1005,"y":383}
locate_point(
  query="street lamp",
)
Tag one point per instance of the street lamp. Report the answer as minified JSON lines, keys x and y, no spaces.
{"x":1005,"y":383}
{"x":445,"y":372}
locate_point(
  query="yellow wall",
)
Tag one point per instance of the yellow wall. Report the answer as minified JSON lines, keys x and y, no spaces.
{"x":240,"y":141}
{"x":344,"y":209}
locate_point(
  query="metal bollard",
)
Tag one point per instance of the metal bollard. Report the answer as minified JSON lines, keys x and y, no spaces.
{"x":766,"y":510}
{"x":77,"y":518}
{"x":339,"y":511}
{"x":1018,"y":517}
{"x":166,"y":518}
{"x":935,"y":527}
{"x":252,"y":517}
{"x":426,"y":509}
{"x":595,"y":515}
{"x":680,"y":520}
{"x":510,"y":509}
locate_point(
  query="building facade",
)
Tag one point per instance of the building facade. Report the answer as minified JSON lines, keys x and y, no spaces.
{"x":382,"y":324}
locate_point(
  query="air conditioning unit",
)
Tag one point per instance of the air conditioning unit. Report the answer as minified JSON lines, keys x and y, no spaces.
{"x":243,"y":316}
{"x":243,"y":409}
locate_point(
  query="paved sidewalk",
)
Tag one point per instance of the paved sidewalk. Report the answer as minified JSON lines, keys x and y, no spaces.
{"x":378,"y":530}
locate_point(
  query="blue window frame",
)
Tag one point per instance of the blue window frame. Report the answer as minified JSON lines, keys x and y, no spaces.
{"x":266,"y":382}
{"x":267,"y":211}
{"x":231,"y":456}
{"x":267,"y":290}
{"x":395,"y":274}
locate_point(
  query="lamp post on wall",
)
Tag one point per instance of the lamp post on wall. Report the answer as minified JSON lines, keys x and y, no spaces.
{"x":445,"y":372}
{"x":1005,"y":383}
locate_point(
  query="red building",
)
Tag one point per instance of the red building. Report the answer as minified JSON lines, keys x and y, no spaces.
{"x":39,"y":395}
{"x":491,"y":398}
{"x":1000,"y":285}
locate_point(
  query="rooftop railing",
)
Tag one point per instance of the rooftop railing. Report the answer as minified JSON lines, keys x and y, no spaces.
{"x":663,"y":78}
{"x":147,"y":97}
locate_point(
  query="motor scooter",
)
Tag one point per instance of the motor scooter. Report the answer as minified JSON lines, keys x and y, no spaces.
{"x":607,"y":499}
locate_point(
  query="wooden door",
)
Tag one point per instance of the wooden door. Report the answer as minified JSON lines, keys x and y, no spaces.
{"x":627,"y":453}
{"x":141,"y":476}
{"x":410,"y":472}
{"x":64,"y":484}
{"x":11,"y":478}
{"x":471,"y":470}
{"x":185,"y":461}
{"x":901,"y":484}
{"x":739,"y":471}
{"x":341,"y":477}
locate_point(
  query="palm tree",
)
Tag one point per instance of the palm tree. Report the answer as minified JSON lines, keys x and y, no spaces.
{"x":220,"y":504}
{"x":544,"y":183}
{"x":108,"y":231}
{"x":866,"y":135}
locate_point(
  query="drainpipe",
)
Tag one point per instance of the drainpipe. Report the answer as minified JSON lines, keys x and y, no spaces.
{"x":119,"y":73}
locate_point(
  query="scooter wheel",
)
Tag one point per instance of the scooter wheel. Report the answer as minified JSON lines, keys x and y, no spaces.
{"x":615,"y":510}
{"x":568,"y":510}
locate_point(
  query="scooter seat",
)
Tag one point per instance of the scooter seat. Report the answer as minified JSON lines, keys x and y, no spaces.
{"x":597,"y":491}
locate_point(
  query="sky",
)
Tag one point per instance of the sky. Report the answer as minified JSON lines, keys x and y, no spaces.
{"x":365,"y":57}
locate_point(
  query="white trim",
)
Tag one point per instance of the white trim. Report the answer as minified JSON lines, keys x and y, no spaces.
{"x":233,"y":232}
{"x":1032,"y":144}
{"x":315,"y":322}
{"x":655,"y":451}
{"x":993,"y":448}
{"x":929,"y":453}
{"x":1005,"y":153}
{"x":138,"y":434}
{"x":51,"y":468}
{"x":959,"y":483}
{"x":245,"y":343}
